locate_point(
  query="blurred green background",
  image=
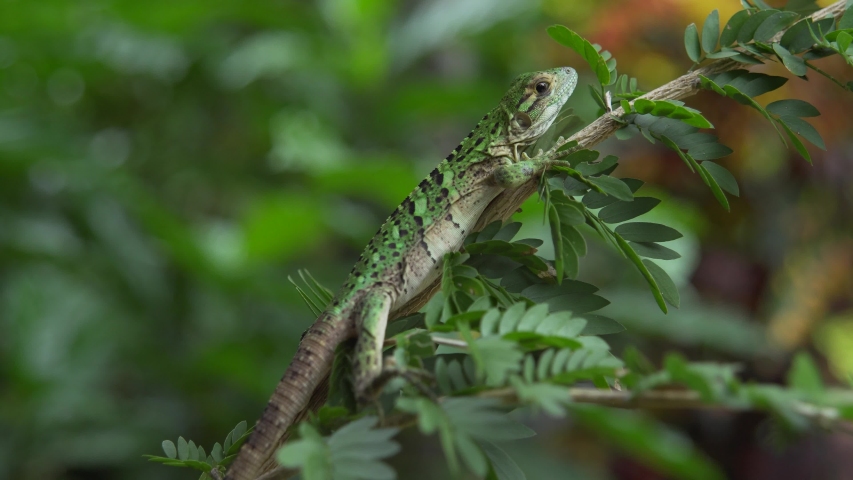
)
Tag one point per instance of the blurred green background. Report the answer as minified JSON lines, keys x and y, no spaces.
{"x":164,"y":166}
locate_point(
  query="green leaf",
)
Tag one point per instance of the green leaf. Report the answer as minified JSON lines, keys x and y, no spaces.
{"x":649,"y":442}
{"x":508,"y":231}
{"x":310,"y":453}
{"x":724,"y":178}
{"x":613,"y":187}
{"x":601,"y":325}
{"x":715,"y":187}
{"x":641,"y":105}
{"x":622,"y":211}
{"x":747,"y":31}
{"x":794,"y":64}
{"x":482,"y":419}
{"x":664,"y":282}
{"x":551,"y":398}
{"x":498,"y":358}
{"x":577,"y":303}
{"x":798,"y":145}
{"x":804,"y":129}
{"x":798,"y":38}
{"x":582,"y":156}
{"x":573,"y":237}
{"x":357,"y":447}
{"x":792,"y":107}
{"x":755,"y":84}
{"x":590,"y":169}
{"x":804,"y":375}
{"x":725,"y":53}
{"x":688,"y":159}
{"x":711,"y":32}
{"x":647,"y":232}
{"x":691,"y":43}
{"x":653,"y":250}
{"x":471,"y":455}
{"x":183,"y":449}
{"x":730,"y":32}
{"x":169,"y":449}
{"x":847,"y":19}
{"x":557,"y":240}
{"x":709,"y":151}
{"x":635,"y":259}
{"x":773,"y":25}
{"x":843,"y":40}
{"x":584,"y":48}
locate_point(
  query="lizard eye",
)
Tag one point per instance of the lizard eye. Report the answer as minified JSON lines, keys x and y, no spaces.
{"x":541,"y":87}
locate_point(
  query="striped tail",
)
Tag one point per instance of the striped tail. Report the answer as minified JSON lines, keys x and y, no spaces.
{"x":309,"y":368}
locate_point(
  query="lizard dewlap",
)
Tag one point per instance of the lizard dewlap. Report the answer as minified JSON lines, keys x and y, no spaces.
{"x":405,"y":254}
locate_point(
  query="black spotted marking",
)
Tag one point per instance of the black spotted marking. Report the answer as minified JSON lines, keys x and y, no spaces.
{"x":444,"y":192}
{"x":437,"y":176}
{"x":449,"y":157}
{"x":449,"y":218}
{"x":419,"y":221}
{"x":357,"y":274}
{"x":458,"y":147}
{"x":470,"y":134}
{"x":479,"y":141}
{"x":408,"y":204}
{"x":392,"y":245}
{"x":461,"y":174}
{"x":486,"y":116}
{"x":395,"y":254}
{"x":494,"y":129}
{"x":404,"y":232}
{"x":424,"y":184}
{"x":374,"y":275}
{"x":382,"y":257}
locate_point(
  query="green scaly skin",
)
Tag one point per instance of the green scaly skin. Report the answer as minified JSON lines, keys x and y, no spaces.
{"x":405,"y":255}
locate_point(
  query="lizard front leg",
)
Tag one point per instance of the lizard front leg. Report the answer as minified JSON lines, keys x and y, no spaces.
{"x":514,"y":174}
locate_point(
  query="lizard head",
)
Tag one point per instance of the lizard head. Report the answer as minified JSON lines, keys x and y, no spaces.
{"x":534,"y":100}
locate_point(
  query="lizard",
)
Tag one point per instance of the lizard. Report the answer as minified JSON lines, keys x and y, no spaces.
{"x":404,"y":256}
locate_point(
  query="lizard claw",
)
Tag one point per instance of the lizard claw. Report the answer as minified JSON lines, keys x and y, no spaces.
{"x":524,"y":156}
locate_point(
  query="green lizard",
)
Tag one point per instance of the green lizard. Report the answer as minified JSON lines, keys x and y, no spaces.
{"x":405,"y":255}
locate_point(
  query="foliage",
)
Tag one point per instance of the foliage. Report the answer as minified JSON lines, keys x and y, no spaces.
{"x":188,"y":454}
{"x":511,"y":323}
{"x":161,"y":167}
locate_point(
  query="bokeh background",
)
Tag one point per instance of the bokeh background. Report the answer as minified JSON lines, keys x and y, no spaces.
{"x":165,"y":166}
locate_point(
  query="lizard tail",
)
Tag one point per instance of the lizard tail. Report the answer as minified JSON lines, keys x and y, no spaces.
{"x":310,"y":365}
